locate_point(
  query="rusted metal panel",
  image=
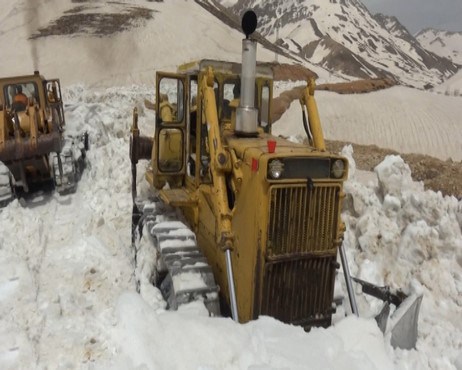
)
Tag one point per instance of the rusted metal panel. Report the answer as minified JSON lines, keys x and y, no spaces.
{"x":25,"y":148}
{"x":300,"y":291}
{"x":301,"y":253}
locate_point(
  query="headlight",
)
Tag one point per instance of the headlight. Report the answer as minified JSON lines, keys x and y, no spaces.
{"x":275,"y":169}
{"x":338,"y":168}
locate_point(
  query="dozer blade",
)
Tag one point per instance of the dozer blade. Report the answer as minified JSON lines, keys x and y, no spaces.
{"x":402,"y":325}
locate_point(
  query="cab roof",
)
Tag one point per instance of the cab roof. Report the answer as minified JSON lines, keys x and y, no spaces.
{"x":18,"y":79}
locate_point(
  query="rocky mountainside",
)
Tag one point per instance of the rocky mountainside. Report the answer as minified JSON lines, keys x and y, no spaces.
{"x":443,"y":43}
{"x":344,"y":37}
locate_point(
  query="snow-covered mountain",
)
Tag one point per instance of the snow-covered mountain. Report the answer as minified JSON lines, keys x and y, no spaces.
{"x":343,"y":36}
{"x":452,"y":86}
{"x":444,"y":43}
{"x":100,"y":31}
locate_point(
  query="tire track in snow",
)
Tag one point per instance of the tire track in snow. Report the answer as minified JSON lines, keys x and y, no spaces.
{"x":26,"y":240}
{"x":88,"y":261}
{"x":70,"y":256}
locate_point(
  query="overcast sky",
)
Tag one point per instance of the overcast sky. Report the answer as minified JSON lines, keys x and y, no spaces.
{"x":416,"y":15}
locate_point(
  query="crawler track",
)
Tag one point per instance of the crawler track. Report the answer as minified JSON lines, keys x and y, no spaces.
{"x":6,"y":193}
{"x":183,"y":274}
{"x":68,"y":165}
{"x":66,"y":170}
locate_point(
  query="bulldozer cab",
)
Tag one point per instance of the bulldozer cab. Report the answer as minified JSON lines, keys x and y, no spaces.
{"x":34,"y":87}
{"x":169,"y":153}
{"x":227,"y":89}
{"x":31,"y":127}
{"x":18,"y":93}
{"x":181,"y":150}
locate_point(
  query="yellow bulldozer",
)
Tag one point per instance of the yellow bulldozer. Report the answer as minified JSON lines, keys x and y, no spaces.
{"x":247,"y":222}
{"x":34,"y":152}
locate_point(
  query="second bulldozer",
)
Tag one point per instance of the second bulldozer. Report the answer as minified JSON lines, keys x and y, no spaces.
{"x":34,"y":150}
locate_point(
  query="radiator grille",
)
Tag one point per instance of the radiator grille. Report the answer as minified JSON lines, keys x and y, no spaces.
{"x":300,"y":260}
{"x":302,"y":220}
{"x":300,"y":291}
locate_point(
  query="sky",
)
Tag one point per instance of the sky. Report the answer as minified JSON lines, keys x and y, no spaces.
{"x":416,"y":15}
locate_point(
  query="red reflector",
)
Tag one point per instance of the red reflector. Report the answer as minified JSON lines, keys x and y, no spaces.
{"x":254,"y":165}
{"x":271,"y":146}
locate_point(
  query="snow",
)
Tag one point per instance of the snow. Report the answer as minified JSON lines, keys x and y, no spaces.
{"x":67,"y":277}
{"x":399,"y":118}
{"x":125,"y":57}
{"x":444,"y":43}
{"x":449,"y":45}
{"x":350,"y":24}
{"x":452,"y":86}
{"x":262,"y":344}
{"x":177,"y":244}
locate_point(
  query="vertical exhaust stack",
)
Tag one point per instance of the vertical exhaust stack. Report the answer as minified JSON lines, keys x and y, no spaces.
{"x":246,"y":113}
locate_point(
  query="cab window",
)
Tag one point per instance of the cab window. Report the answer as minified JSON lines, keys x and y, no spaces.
{"x":170,"y":113}
{"x":231,"y":94}
{"x":20,"y":95}
{"x":265,"y":97}
{"x":170,"y":149}
{"x":53,"y":92}
{"x":170,"y":97}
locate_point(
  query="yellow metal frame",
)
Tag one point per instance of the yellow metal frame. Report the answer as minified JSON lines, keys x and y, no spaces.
{"x":239,"y":226}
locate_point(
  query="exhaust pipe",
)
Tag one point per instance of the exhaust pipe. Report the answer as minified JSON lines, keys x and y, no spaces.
{"x":246,"y":113}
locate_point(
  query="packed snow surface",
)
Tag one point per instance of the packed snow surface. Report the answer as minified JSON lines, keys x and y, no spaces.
{"x":400,"y":118}
{"x":67,"y":286}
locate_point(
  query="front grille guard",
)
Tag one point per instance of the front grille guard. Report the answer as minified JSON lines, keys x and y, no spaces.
{"x":301,"y":254}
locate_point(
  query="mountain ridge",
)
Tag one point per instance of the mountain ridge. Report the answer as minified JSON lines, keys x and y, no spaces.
{"x":344,"y":37}
{"x":441,"y":42}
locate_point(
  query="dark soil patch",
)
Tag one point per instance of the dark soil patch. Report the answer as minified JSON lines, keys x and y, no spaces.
{"x":79,"y":22}
{"x":291,"y":72}
{"x":358,"y":87}
{"x":282,"y":102}
{"x":437,"y":175}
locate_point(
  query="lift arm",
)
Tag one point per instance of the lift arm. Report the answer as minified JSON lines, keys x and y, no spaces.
{"x":220,"y":162}
{"x":309,"y":105}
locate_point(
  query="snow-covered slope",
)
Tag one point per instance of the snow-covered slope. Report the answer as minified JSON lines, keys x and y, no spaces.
{"x":80,"y":41}
{"x":400,"y":118}
{"x":67,"y":293}
{"x":343,"y":36}
{"x":444,"y":43}
{"x":452,"y":86}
